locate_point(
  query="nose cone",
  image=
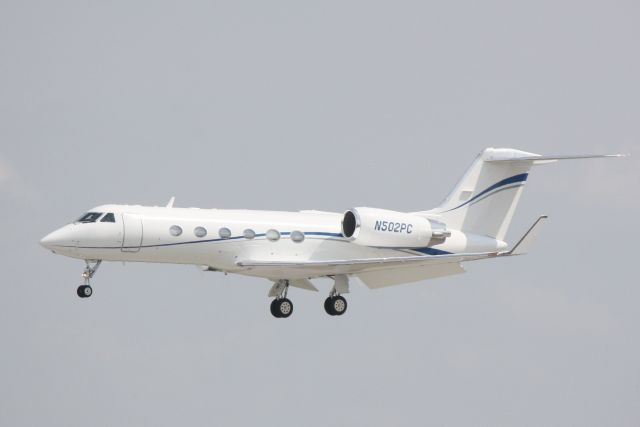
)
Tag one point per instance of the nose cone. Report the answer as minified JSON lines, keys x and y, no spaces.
{"x":62,"y":237}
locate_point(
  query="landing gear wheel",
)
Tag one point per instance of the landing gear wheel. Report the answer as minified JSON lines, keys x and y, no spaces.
{"x":327,"y":306}
{"x":84,"y":291}
{"x":339,"y":305}
{"x":281,"y":308}
{"x":335,"y":305}
{"x":274,"y":308}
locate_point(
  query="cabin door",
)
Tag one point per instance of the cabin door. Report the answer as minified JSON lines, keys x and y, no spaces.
{"x":132,"y":232}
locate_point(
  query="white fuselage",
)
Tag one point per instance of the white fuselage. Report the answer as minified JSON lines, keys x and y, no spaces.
{"x":143,"y":234}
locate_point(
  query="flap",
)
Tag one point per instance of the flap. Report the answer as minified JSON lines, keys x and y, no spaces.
{"x":376,"y":279}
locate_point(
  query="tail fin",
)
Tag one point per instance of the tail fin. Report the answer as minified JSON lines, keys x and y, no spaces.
{"x":485,"y":199}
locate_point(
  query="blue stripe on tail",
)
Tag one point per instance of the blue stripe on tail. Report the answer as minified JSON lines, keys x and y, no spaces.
{"x":511,"y":180}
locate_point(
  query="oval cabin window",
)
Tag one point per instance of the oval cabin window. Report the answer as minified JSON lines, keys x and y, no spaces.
{"x":224,"y":233}
{"x":273,"y":235}
{"x":297,"y":236}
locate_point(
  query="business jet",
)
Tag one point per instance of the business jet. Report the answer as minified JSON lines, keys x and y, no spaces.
{"x":379,"y":247}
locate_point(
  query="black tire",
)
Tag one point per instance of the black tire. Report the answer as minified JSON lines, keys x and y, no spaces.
{"x":284,"y":308}
{"x":274,"y":308}
{"x":84,"y":291}
{"x":339,"y":305}
{"x":327,"y":306}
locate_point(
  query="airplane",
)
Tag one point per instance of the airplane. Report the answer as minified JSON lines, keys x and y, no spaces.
{"x":379,"y":247}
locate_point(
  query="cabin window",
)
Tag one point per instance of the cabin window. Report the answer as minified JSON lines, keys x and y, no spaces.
{"x":224,"y":233}
{"x":110,"y":217}
{"x":297,"y":236}
{"x":90,"y":217}
{"x":175,"y":230}
{"x":249,"y":234}
{"x":200,"y":231}
{"x":273,"y":235}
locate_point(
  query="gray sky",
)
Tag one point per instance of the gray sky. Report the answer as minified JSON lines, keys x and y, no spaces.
{"x":290,"y":105}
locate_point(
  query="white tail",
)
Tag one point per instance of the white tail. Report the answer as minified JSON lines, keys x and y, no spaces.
{"x":485,"y":199}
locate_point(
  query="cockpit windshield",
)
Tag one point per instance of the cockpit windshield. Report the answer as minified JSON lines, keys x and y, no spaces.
{"x":110,"y":217}
{"x":90,"y":217}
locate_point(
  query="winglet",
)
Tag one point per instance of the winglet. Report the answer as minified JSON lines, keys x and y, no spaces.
{"x":171,"y":200}
{"x":526,"y":241}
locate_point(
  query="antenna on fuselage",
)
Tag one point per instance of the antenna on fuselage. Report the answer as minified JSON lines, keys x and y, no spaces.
{"x":171,"y":200}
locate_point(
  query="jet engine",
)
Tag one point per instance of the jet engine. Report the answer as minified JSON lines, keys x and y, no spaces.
{"x":389,"y":229}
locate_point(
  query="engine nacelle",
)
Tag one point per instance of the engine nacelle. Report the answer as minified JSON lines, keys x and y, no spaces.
{"x":389,"y":229}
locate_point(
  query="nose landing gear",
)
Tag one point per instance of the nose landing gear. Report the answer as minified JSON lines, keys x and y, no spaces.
{"x":85,"y":291}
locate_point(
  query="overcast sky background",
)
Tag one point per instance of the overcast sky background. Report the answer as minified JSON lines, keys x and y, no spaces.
{"x":330,"y":105}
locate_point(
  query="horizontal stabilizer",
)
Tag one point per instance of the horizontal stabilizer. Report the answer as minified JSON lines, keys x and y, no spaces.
{"x":537,"y":159}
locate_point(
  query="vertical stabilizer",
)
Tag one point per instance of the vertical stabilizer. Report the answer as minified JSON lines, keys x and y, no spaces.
{"x":485,"y":199}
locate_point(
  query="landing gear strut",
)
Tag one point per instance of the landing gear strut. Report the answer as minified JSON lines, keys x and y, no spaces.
{"x":281,"y":306}
{"x":85,"y":291}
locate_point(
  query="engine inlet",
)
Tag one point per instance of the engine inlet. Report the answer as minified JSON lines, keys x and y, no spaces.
{"x":349,"y":224}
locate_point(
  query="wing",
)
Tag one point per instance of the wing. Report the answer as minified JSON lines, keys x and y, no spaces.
{"x":359,"y":264}
{"x":374,"y":272}
{"x":381,"y":272}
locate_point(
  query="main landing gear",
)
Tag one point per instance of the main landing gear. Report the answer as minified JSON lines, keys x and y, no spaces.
{"x":336,"y":305}
{"x":85,"y":291}
{"x":281,"y":306}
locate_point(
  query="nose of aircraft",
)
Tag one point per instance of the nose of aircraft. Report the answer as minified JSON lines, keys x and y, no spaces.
{"x":60,"y":237}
